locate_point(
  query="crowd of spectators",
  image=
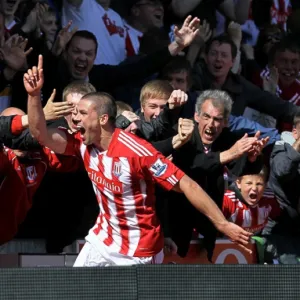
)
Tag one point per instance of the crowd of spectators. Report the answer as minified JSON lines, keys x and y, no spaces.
{"x":225,"y":110}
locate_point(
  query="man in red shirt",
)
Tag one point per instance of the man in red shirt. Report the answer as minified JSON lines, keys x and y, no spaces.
{"x":123,"y":169}
{"x":23,"y":172}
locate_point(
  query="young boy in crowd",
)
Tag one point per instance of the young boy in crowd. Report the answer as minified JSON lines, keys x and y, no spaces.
{"x":248,"y":203}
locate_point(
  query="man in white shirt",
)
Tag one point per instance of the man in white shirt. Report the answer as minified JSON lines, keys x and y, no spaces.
{"x":106,"y":24}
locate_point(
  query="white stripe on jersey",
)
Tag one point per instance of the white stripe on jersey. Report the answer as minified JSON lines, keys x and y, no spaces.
{"x":94,"y":164}
{"x":141,"y":148}
{"x":247,"y":219}
{"x":130,"y":211}
{"x":129,"y":146}
{"x":172,"y":180}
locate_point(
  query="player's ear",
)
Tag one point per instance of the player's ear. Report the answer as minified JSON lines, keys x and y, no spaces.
{"x":103,"y":119}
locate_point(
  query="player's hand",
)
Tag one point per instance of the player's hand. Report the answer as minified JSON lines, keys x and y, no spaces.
{"x":170,"y":247}
{"x":237,"y":235}
{"x":177,"y":99}
{"x":56,"y":110}
{"x":34,"y":79}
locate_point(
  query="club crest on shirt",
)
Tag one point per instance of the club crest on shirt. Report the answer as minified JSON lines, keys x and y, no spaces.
{"x":117,"y":169}
{"x":158,"y":168}
{"x":31,"y":174}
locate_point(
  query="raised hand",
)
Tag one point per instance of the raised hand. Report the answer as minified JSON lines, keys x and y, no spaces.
{"x":242,"y":146}
{"x":204,"y":33}
{"x":187,"y":33}
{"x":56,"y":110}
{"x":30,"y":24}
{"x":235,"y":32}
{"x":62,"y":39}
{"x":13,"y":52}
{"x":185,"y":129}
{"x":34,"y":79}
{"x":177,"y":99}
{"x":257,"y":148}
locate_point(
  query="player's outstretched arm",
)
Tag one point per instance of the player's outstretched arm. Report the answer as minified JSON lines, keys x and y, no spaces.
{"x":203,"y":203}
{"x":54,"y":139}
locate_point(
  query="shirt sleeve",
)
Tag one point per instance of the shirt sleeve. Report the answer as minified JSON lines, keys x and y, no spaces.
{"x":61,"y":163}
{"x":161,"y":170}
{"x":16,"y":125}
{"x":227,"y":207}
{"x":73,"y":143}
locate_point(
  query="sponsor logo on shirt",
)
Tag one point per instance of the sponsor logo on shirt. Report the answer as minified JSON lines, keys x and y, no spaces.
{"x":117,"y":169}
{"x":158,"y":168}
{"x":99,"y":179}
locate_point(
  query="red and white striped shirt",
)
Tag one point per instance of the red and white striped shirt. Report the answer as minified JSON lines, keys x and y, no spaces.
{"x":252,"y":219}
{"x":124,"y":180}
{"x":280,"y":11}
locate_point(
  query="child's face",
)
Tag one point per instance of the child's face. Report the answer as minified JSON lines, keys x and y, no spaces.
{"x":252,"y":188}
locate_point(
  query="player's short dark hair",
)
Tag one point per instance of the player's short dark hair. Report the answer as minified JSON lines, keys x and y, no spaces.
{"x":105,"y":104}
{"x":223,"y":39}
{"x":83,"y":34}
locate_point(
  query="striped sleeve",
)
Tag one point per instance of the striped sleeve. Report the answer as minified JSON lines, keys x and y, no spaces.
{"x":162,"y":170}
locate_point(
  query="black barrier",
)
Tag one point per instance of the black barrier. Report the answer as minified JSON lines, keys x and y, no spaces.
{"x":152,"y":282}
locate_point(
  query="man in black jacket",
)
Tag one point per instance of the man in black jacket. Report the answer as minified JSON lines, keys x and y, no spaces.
{"x":210,"y":157}
{"x":283,"y":234}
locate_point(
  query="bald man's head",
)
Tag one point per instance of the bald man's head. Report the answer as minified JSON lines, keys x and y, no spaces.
{"x":11,"y":111}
